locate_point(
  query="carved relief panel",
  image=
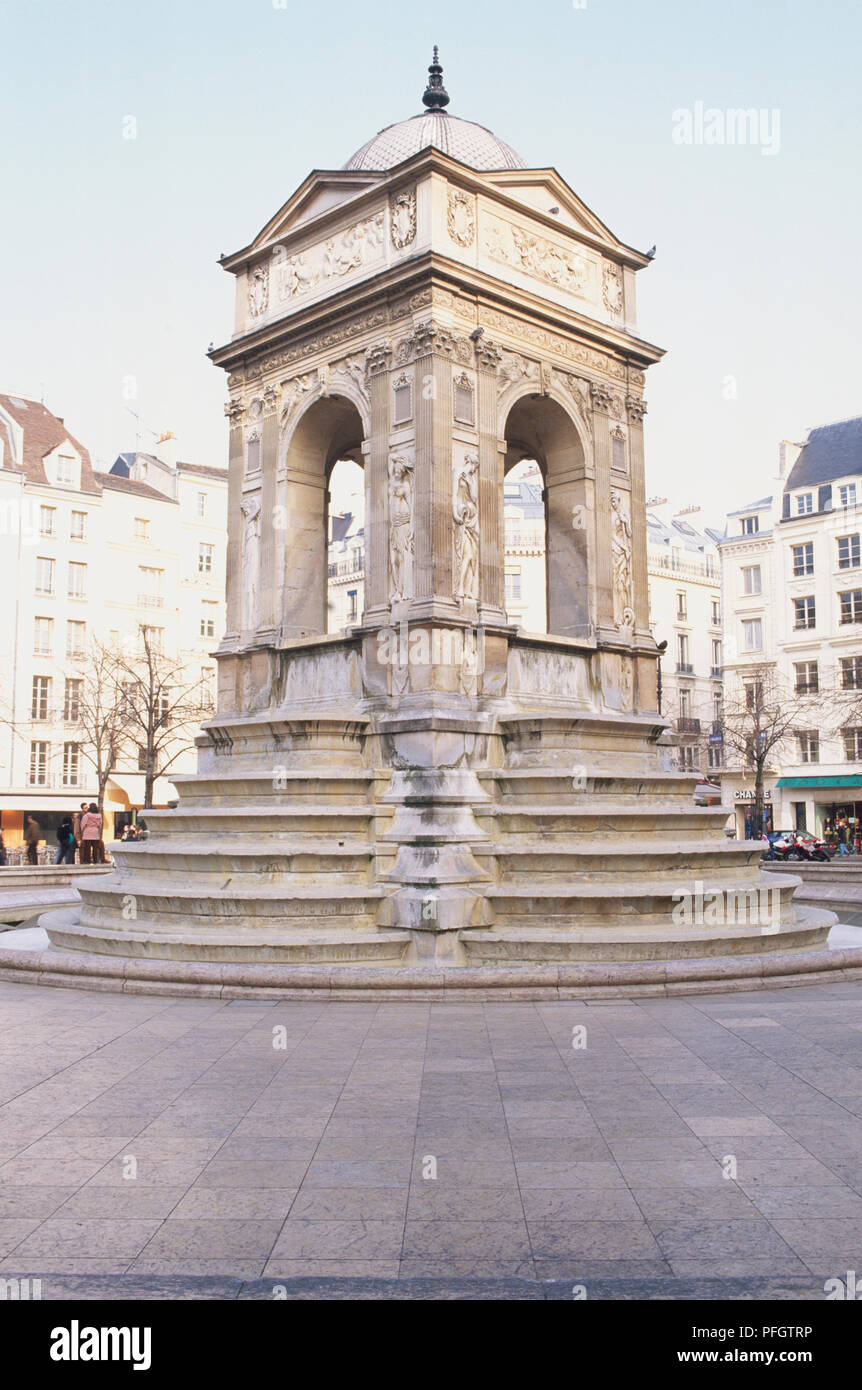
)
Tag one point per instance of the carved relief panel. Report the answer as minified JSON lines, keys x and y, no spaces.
{"x":621,"y":554}
{"x":401,"y":489}
{"x":465,"y":511}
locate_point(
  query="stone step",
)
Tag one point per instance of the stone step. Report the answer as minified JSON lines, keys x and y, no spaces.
{"x":640,"y":901}
{"x":607,"y":818}
{"x":273,"y":786}
{"x":305,"y":945}
{"x":538,"y":786}
{"x":536,"y":943}
{"x":129,"y":903}
{"x":208,"y":864}
{"x":250,"y":822}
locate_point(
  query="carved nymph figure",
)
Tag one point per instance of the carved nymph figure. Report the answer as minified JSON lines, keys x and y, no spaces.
{"x":465,"y":509}
{"x":250,"y":559}
{"x":400,"y":528}
{"x":621,"y":550}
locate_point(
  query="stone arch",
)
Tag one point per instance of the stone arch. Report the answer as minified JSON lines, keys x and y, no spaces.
{"x":326,"y":428}
{"x":545,"y":428}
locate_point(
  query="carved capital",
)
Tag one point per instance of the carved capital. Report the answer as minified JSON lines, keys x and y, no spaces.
{"x":488,"y":354}
{"x":636,"y":409}
{"x":234,"y":410}
{"x":602,"y":397}
{"x":270,"y":400}
{"x":377,"y":359}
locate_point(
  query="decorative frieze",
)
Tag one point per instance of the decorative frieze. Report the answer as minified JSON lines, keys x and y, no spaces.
{"x":359,"y":245}
{"x":538,"y":257}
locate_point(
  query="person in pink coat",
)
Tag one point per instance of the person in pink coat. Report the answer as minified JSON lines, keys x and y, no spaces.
{"x":92,"y":845}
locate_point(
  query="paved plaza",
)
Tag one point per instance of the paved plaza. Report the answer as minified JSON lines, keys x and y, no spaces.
{"x":628,"y":1145}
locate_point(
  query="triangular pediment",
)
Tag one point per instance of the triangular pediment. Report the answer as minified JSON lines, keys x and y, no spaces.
{"x":316,"y":195}
{"x":542,"y":191}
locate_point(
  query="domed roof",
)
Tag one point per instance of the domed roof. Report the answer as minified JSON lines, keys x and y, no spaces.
{"x":464,"y":140}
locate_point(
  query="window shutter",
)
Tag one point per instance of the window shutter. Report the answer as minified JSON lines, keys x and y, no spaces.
{"x":824,"y":498}
{"x":785,"y":513}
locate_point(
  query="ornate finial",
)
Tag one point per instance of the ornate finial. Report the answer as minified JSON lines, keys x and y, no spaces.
{"x":435,"y":96}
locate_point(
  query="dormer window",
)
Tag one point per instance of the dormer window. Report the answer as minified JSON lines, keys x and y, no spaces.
{"x":805,"y":503}
{"x":65,"y":470}
{"x":750,"y":525}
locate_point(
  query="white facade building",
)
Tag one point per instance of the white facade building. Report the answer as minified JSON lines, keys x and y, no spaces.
{"x":793,"y":601}
{"x":685,"y":612}
{"x":87,"y":555}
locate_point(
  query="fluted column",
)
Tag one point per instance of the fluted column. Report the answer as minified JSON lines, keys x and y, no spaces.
{"x":636,"y":409}
{"x":376,"y":451}
{"x":491,"y":469}
{"x":602,"y":455}
{"x":233,"y":560}
{"x":267,"y":619}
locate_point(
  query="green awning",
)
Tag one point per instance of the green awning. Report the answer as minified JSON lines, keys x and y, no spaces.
{"x":819,"y":782}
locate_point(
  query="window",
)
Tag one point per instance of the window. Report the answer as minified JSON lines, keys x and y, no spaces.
{"x":77,"y":580}
{"x":753,"y":694}
{"x":208,"y":687}
{"x":44,"y":575}
{"x":41,"y":697}
{"x":803,"y":559}
{"x":848,"y":552}
{"x":681,"y":607}
{"x":713,"y":756}
{"x":142,"y":757}
{"x":847,"y":495}
{"x":141,"y":529}
{"x":716,"y":655}
{"x":809,"y":746}
{"x":752,"y":635}
{"x":65,"y":470}
{"x":47,"y":516}
{"x":804,"y":503}
{"x":682,"y":652}
{"x":851,"y":672}
{"x":76,"y":639}
{"x":804,"y":612}
{"x":686,"y":757}
{"x":716,"y":707}
{"x":807,"y":677}
{"x":153,"y":636}
{"x":351,"y":605}
{"x":208,"y":617}
{"x":72,"y":700}
{"x":685,"y":703}
{"x":38,"y":764}
{"x":149,"y":587}
{"x":202,"y":504}
{"x":205,"y":558}
{"x":513,"y":585}
{"x":751,"y":579}
{"x":851,"y":606}
{"x":716,"y":612}
{"x":71,"y":764}
{"x":78,"y":526}
{"x":750,"y":525}
{"x":852,"y":744}
{"x":43,"y":636}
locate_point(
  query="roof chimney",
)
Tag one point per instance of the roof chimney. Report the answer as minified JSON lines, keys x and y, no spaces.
{"x":166,"y":449}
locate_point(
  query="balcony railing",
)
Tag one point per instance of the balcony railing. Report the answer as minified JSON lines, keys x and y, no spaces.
{"x":151,"y":601}
{"x":686,"y":725}
{"x":716,"y":672}
{"x":684,"y":668}
{"x":666,"y":562}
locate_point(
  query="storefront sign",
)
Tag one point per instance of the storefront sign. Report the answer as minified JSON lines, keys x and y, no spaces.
{"x":750,"y":796}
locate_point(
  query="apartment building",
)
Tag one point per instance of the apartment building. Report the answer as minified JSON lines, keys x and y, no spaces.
{"x":685,"y":612}
{"x":86,"y":554}
{"x":793,"y":602}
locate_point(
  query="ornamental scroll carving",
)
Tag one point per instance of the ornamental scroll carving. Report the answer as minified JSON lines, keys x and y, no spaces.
{"x":258,"y":292}
{"x":400,"y":528}
{"x":402,"y":218}
{"x":621,"y":553}
{"x":461,"y":217}
{"x":465,"y":510}
{"x":612,"y":288}
{"x":636,"y":409}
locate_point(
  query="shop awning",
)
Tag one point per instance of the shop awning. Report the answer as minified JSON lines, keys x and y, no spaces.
{"x":819,"y":782}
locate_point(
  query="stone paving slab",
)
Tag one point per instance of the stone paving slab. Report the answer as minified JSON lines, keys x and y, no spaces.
{"x":161,"y":1147}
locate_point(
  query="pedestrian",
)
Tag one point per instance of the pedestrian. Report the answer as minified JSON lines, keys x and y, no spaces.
{"x":65,"y":842}
{"x":32,"y":836}
{"x":92,"y":848}
{"x":3,"y":859}
{"x":76,"y":829}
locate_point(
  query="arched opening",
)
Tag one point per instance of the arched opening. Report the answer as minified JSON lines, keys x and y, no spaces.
{"x":525,"y":557}
{"x":330,"y":432}
{"x":538,"y":430}
{"x":345,"y":587}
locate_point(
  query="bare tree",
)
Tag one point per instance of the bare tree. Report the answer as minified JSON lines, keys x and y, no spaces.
{"x":165,"y":699}
{"x":97,"y":707}
{"x":757,"y":719}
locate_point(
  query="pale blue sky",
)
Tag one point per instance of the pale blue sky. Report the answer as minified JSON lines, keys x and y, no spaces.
{"x":109,"y":245}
